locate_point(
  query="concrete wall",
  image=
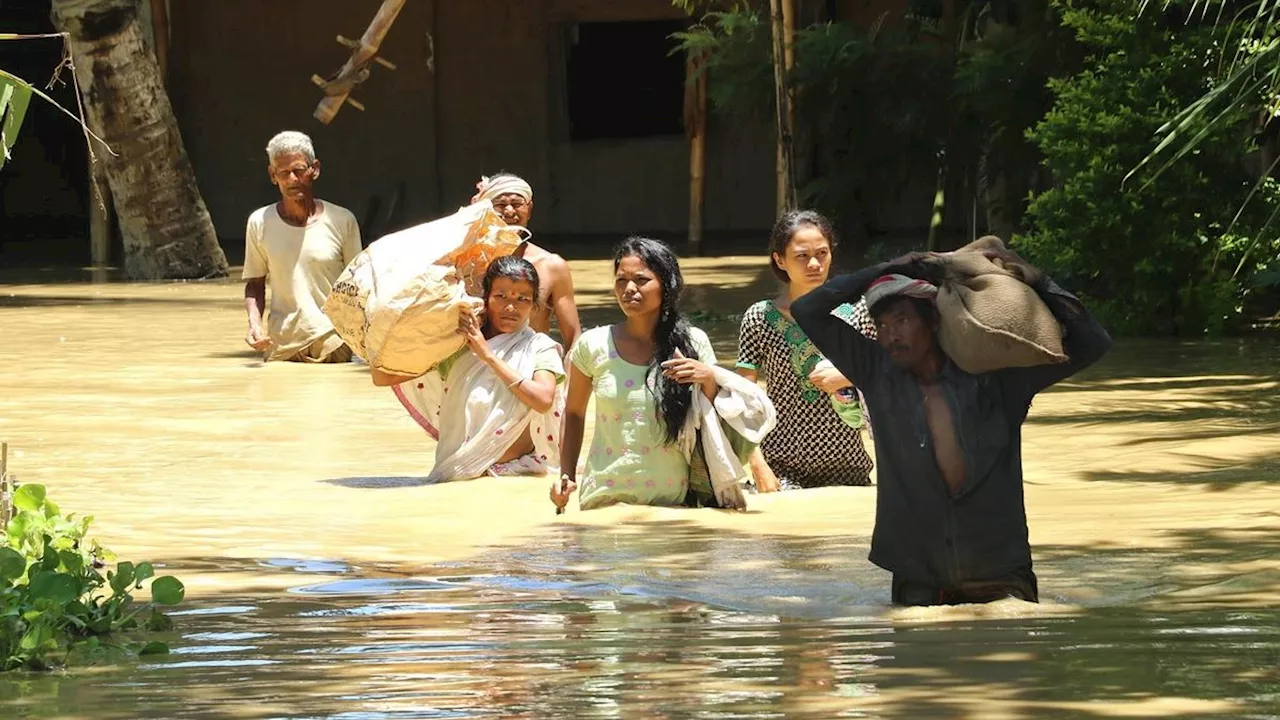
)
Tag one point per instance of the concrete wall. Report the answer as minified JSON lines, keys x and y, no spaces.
{"x":240,"y":72}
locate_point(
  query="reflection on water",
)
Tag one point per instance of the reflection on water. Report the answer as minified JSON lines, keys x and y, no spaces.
{"x":326,"y":580}
{"x":494,"y":642}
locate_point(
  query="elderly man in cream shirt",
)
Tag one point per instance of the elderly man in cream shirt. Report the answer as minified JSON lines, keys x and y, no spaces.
{"x":299,"y":246}
{"x":512,"y":198}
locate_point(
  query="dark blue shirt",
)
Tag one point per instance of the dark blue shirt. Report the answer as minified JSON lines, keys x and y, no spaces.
{"x":923,"y":532}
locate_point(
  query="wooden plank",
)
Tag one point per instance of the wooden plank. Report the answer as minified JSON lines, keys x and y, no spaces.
{"x":338,"y":87}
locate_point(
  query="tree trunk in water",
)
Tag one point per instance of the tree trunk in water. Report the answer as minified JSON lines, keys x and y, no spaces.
{"x":164,"y":223}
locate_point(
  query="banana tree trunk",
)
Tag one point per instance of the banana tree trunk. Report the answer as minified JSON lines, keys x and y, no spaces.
{"x":164,"y":223}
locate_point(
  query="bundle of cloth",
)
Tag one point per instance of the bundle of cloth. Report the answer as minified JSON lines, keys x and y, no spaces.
{"x":989,"y":316}
{"x":718,"y":437}
{"x":397,"y":305}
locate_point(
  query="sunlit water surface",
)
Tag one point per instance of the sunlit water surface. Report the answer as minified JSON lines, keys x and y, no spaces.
{"x":326,"y":580}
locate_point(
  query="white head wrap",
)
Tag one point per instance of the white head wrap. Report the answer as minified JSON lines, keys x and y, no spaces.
{"x":491,"y":187}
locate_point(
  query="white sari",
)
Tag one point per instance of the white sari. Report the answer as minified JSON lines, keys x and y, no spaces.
{"x":475,"y":418}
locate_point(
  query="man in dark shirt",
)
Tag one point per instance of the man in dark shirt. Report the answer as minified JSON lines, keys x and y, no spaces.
{"x":951,"y":524}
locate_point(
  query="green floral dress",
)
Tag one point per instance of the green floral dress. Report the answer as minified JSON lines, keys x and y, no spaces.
{"x":811,"y":445}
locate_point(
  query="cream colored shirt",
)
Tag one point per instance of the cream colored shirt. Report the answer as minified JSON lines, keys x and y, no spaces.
{"x":301,"y":265}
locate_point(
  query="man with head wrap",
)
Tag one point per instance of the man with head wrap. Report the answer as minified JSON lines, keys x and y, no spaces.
{"x":512,"y":198}
{"x":950,"y":520}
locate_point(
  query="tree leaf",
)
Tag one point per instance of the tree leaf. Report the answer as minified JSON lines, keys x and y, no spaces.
{"x":29,"y":497}
{"x":144,"y":571}
{"x":167,"y":590}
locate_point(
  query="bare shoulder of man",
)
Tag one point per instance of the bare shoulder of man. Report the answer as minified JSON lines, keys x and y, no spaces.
{"x":552,"y":269}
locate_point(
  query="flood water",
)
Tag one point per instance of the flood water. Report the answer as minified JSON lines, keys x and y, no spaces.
{"x":326,"y":581}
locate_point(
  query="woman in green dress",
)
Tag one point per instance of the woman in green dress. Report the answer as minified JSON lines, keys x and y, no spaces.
{"x":642,"y":372}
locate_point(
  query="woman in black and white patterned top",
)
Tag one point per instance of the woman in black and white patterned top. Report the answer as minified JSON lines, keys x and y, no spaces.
{"x":817,"y":441}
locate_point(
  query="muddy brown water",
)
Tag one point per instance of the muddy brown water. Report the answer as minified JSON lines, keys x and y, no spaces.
{"x":326,"y":581}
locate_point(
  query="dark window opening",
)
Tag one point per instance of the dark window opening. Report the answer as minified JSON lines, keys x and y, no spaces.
{"x":623,"y":81}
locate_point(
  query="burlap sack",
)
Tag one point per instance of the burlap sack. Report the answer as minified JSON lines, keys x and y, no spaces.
{"x":989,"y":318}
{"x":397,"y":305}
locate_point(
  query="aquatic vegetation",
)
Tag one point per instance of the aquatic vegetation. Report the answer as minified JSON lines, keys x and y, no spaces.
{"x":53,"y":595}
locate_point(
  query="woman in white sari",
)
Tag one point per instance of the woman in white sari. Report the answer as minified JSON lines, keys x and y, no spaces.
{"x":494,"y":408}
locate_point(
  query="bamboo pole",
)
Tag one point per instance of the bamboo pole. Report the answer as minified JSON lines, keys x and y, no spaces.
{"x":338,"y":88}
{"x":939,"y":207}
{"x":101,"y":226}
{"x":780,"y":15}
{"x":696,"y":127}
{"x":6,"y":494}
{"x":789,"y":64}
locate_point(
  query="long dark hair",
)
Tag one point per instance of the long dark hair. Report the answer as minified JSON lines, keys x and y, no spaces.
{"x":787,"y":226}
{"x":671,"y":333}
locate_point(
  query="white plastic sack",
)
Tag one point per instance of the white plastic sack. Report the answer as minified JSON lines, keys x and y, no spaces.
{"x":398,"y":303}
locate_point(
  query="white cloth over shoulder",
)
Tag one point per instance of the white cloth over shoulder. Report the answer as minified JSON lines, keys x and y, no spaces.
{"x":746,"y":408}
{"x":475,"y":418}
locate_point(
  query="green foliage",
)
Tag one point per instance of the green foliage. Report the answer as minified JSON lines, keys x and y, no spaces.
{"x":1156,"y":254}
{"x":1248,"y":72}
{"x":871,"y":98}
{"x":15,"y":96}
{"x":737,"y":50}
{"x":52,"y":595}
{"x":886,"y":105}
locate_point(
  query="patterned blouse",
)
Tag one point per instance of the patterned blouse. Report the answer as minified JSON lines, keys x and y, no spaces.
{"x":811,"y":445}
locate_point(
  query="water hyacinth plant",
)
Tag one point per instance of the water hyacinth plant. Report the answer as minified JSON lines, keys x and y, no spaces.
{"x":54,"y":597}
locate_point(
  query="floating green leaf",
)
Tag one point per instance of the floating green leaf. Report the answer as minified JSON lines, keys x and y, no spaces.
{"x":29,"y":497}
{"x":58,"y":587}
{"x":159,"y":622}
{"x":49,"y":558}
{"x":53,"y":600}
{"x":36,"y":636}
{"x":12,"y":564}
{"x":123,"y":577}
{"x":71,"y":561}
{"x":167,"y":590}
